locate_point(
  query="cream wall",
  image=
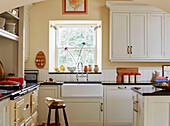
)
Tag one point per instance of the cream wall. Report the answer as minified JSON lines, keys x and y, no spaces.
{"x":42,"y":12}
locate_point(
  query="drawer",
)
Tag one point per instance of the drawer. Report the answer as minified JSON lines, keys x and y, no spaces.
{"x":35,"y":119}
{"x":34,"y":101}
{"x":18,"y":112}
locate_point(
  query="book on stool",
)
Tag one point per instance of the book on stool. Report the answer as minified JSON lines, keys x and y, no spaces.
{"x":51,"y":101}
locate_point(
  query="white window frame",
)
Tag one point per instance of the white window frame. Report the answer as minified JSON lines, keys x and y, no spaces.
{"x":53,"y":56}
{"x":84,"y":48}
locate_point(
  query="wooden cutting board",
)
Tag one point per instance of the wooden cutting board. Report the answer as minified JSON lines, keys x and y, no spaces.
{"x":121,"y":71}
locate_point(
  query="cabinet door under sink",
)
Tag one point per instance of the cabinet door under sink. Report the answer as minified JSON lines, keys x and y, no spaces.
{"x":84,"y":111}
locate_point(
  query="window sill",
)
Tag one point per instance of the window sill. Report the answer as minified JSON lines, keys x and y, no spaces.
{"x":67,"y":72}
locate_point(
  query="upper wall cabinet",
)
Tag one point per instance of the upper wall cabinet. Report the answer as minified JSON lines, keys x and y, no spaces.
{"x":138,"y":32}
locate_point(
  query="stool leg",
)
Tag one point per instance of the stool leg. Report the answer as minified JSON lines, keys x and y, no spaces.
{"x":49,"y":115}
{"x":56,"y":117}
{"x":65,"y":116}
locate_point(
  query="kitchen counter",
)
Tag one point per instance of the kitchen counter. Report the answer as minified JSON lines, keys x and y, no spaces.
{"x":115,"y":83}
{"x":151,"y":91}
{"x":11,"y":93}
{"x":97,"y":82}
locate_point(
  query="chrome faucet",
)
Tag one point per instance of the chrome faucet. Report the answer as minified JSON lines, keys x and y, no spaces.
{"x":81,"y":70}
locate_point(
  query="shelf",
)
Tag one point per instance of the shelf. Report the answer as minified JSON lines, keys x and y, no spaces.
{"x":8,"y":35}
{"x":67,"y":72}
{"x":9,"y":16}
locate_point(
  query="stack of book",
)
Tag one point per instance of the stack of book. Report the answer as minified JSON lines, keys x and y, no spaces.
{"x":52,"y":101}
{"x":161,"y":79}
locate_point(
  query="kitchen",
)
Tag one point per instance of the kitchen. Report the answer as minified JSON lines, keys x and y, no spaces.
{"x":36,"y":37}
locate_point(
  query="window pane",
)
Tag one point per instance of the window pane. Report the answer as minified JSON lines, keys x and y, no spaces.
{"x":89,"y":57}
{"x":62,"y":37}
{"x":89,"y":37}
{"x":75,"y":53}
{"x":62,"y":57}
{"x":76,"y":37}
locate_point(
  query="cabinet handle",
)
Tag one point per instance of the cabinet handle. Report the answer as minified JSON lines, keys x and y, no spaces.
{"x":101,"y":107}
{"x":122,"y":87}
{"x":130,"y":49}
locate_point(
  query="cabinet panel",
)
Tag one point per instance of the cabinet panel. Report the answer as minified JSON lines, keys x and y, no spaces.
{"x":84,"y":111}
{"x":138,"y":41}
{"x":46,"y":91}
{"x":4,"y":110}
{"x":119,"y":106}
{"x":167,"y":35}
{"x":119,"y":35}
{"x":155,"y":36}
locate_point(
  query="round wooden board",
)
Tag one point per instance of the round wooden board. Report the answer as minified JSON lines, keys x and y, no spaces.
{"x":40,"y":60}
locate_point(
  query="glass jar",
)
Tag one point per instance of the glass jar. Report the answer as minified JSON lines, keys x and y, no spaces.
{"x":132,"y":78}
{"x":125,"y":78}
{"x":138,"y":78}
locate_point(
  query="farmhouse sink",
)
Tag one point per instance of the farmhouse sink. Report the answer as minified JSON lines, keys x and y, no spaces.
{"x":82,"y":90}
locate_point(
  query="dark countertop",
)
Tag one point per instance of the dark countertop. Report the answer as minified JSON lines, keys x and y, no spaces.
{"x":103,"y":83}
{"x":115,"y":83}
{"x":29,"y":87}
{"x":151,"y":91}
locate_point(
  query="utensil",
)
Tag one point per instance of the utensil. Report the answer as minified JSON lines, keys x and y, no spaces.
{"x":2,"y":72}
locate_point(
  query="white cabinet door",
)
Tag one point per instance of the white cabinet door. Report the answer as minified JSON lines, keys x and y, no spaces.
{"x":4,"y":110}
{"x":155,"y":36}
{"x":167,"y":35}
{"x":118,"y":105}
{"x":138,"y":32}
{"x":84,"y":111}
{"x":46,"y":91}
{"x":119,"y":35}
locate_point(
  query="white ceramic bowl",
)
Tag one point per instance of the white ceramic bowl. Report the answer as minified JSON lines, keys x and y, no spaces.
{"x":71,"y":69}
{"x":2,"y":22}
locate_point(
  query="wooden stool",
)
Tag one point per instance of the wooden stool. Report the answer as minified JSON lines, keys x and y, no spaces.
{"x":54,"y":106}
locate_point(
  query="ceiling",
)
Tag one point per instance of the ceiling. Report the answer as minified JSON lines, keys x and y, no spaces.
{"x":9,"y":4}
{"x":162,"y":4}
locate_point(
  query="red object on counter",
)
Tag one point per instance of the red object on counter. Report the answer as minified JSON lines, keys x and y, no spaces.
{"x":17,"y":79}
{"x":8,"y":82}
{"x":0,"y":94}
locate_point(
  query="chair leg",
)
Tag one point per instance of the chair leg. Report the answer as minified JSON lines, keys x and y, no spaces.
{"x":65,"y":117}
{"x":57,"y":118}
{"x":49,"y":115}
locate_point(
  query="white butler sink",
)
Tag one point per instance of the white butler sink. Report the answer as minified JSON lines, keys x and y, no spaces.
{"x":81,"y":90}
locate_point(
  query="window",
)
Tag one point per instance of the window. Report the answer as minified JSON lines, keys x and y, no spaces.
{"x":71,"y":34}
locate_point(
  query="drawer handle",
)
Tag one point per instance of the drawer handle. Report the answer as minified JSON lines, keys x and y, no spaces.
{"x":128,"y":49}
{"x":122,"y":87}
{"x":101,"y":107}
